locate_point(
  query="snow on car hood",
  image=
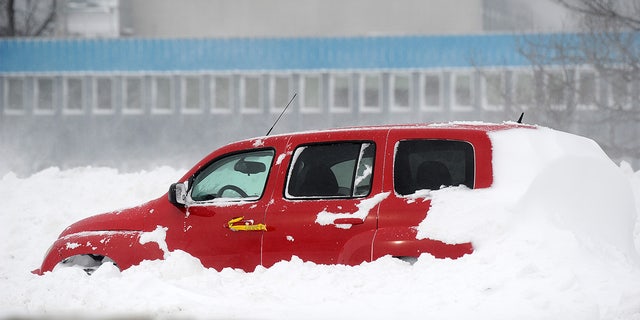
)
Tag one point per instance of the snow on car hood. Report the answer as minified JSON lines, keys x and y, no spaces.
{"x":139,"y":218}
{"x":546,"y":183}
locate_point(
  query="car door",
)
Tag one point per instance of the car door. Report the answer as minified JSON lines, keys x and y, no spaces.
{"x":422,"y":161}
{"x":226,"y":203}
{"x":326,"y":211}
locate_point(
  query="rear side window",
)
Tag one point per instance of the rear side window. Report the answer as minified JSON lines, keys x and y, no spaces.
{"x":432,"y":164}
{"x":341,"y":169}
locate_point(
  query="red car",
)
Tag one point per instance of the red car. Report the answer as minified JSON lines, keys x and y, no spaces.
{"x":338,"y":196}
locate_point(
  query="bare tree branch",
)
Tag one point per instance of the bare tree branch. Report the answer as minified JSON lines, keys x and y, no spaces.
{"x":8,"y":6}
{"x":26,"y":17}
{"x":607,"y":47}
{"x":29,"y":16}
{"x":48,"y":20}
{"x":606,"y":12}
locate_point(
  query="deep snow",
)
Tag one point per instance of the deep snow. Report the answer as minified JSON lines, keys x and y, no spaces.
{"x":553,"y":239}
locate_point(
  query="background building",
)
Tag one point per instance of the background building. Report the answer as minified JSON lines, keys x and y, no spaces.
{"x":303,"y":18}
{"x":138,"y":87}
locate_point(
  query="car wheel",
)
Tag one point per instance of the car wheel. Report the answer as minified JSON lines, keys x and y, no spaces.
{"x":87,"y":262}
{"x":410,"y":260}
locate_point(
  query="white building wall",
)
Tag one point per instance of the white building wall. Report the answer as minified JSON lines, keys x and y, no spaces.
{"x":300,"y":18}
{"x":98,"y":18}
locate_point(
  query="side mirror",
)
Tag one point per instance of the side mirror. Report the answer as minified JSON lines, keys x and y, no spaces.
{"x":178,"y":194}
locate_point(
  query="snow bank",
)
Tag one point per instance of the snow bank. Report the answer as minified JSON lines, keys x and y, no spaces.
{"x":545,"y":249}
{"x":540,"y":176}
{"x":555,"y":234}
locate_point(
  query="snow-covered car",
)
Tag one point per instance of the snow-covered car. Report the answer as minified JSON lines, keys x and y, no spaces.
{"x":340,"y":196}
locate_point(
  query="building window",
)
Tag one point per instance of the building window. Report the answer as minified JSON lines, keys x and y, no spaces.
{"x":462,"y":91}
{"x":494,"y":91}
{"x":103,"y":95}
{"x":162,"y":94}
{"x":133,"y":95}
{"x":341,"y":92}
{"x":44,"y":95}
{"x":524,"y":88}
{"x":431,"y":91}
{"x":251,"y":93}
{"x":311,"y":92}
{"x":619,"y":91}
{"x":191,"y":94}
{"x":556,"y":92}
{"x":15,"y":94}
{"x":401,"y":91}
{"x":371,"y":92}
{"x":73,"y":95}
{"x":221,"y":94}
{"x":587,"y":91}
{"x":280,"y":92}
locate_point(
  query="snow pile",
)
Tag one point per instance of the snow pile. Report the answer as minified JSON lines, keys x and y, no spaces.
{"x":571,"y":185}
{"x":553,"y":239}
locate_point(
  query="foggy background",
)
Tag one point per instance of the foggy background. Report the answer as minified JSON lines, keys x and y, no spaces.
{"x":71,"y":97}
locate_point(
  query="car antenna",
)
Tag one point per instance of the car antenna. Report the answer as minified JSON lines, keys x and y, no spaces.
{"x":281,"y":113}
{"x":520,"y":119}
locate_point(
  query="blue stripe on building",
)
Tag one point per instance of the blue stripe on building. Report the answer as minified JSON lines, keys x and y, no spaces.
{"x":397,"y":52}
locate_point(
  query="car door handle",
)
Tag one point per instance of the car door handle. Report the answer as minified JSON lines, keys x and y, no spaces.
{"x":239,"y":224}
{"x":348,"y":221}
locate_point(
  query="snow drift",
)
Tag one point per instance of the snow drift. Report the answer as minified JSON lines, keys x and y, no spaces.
{"x":556,"y":236}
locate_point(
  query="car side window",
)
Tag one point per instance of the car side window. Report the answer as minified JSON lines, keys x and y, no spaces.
{"x":432,"y":164}
{"x":341,"y":170}
{"x":237,"y":176}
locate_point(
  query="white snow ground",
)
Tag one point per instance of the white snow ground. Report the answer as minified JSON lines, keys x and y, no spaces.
{"x":552,"y":242}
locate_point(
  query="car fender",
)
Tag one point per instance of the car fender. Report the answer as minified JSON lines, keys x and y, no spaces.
{"x":123,"y":247}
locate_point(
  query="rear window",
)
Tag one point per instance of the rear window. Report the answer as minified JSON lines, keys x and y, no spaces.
{"x":432,"y":164}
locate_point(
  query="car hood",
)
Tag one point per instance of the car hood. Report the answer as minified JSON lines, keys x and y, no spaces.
{"x":144,"y":217}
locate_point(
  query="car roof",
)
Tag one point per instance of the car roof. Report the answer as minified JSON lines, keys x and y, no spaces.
{"x":458,"y":125}
{"x":468,"y":126}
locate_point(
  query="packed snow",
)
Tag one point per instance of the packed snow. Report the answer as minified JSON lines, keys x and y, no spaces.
{"x":554,"y":239}
{"x":326,"y":218}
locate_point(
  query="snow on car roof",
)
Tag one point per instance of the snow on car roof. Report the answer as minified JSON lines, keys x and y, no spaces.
{"x":456,"y":125}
